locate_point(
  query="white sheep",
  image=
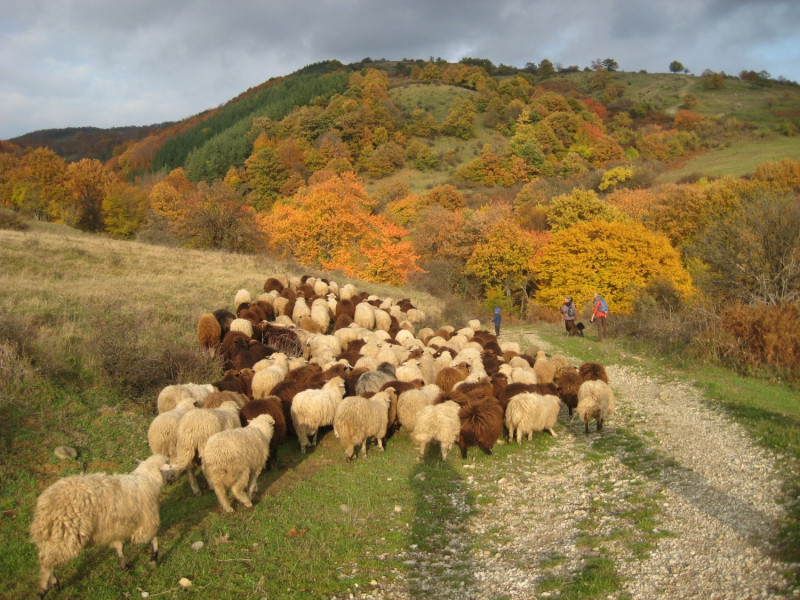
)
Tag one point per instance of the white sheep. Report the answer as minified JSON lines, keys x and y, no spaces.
{"x":527,"y":413}
{"x":437,"y":422}
{"x":357,"y":419}
{"x":523,"y":375}
{"x":301,"y":309}
{"x":474,"y":324}
{"x":409,"y":371}
{"x":242,"y":325}
{"x":312,"y":409}
{"x":365,"y":315}
{"x":265,"y":380}
{"x":171,"y":395}
{"x":595,"y":401}
{"x":321,"y":313}
{"x":241,"y":297}
{"x":383,"y":321}
{"x":163,"y":430}
{"x":544,"y":369}
{"x":410,"y":402}
{"x":86,"y":510}
{"x":233,"y":459}
{"x":347,"y":292}
{"x":321,"y":288}
{"x":194,"y":429}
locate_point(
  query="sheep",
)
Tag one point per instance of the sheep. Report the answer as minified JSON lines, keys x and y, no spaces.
{"x":371,"y":381}
{"x":347,"y":292}
{"x":163,"y":430}
{"x":409,"y":371}
{"x":217,"y":399}
{"x":301,"y":309}
{"x":365,"y":315}
{"x":321,"y":313}
{"x":209,"y":332}
{"x":357,"y":419}
{"x":383,"y":321}
{"x":243,"y":326}
{"x":590,"y":371}
{"x":447,"y":377}
{"x":271,"y":405}
{"x":437,"y":422}
{"x":481,"y":425}
{"x":544,"y":369}
{"x":595,"y":401}
{"x":224,"y":318}
{"x":86,"y":510}
{"x":474,"y":324}
{"x":235,"y":380}
{"x":265,"y":380}
{"x":194,"y":429}
{"x":568,"y":381}
{"x":527,"y":413}
{"x":274,"y":283}
{"x":171,"y":395}
{"x":245,"y":353}
{"x":234,"y":459}
{"x":312,"y":409}
{"x":282,"y":339}
{"x":409,"y":404}
{"x":241,"y":297}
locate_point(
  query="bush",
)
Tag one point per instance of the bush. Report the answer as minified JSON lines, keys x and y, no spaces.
{"x":11,"y":220}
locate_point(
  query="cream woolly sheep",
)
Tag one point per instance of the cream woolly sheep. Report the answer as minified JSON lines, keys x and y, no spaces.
{"x":404,"y":337}
{"x":474,"y":324}
{"x":347,"y":292}
{"x":95,"y":509}
{"x":301,"y":309}
{"x":163,"y":430}
{"x":171,"y":395}
{"x":383,"y":321}
{"x":427,"y":364}
{"x":425,"y":334}
{"x":266,"y":379}
{"x":527,"y":413}
{"x":280,"y":304}
{"x":357,"y":419}
{"x":194,"y":429}
{"x":595,"y":401}
{"x":415,"y":315}
{"x":234,"y":459}
{"x":241,"y":297}
{"x":523,"y":375}
{"x":410,"y":402}
{"x":312,"y":409}
{"x":321,"y":288}
{"x":437,"y":422}
{"x":545,"y":370}
{"x":365,"y":315}
{"x":321,"y":313}
{"x":242,"y":325}
{"x":510,"y":347}
{"x":409,"y":371}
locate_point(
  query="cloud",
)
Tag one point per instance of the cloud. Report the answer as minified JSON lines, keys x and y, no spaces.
{"x":112,"y":62}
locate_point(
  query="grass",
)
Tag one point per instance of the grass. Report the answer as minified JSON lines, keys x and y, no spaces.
{"x":737,"y":159}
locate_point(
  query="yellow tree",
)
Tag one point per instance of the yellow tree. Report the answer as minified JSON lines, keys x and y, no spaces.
{"x":504,"y":260}
{"x":88,"y":181}
{"x":616,"y":259}
{"x":124,"y":208}
{"x":38,"y":184}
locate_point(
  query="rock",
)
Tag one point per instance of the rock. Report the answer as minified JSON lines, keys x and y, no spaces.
{"x":65,"y":452}
{"x":198,"y":545}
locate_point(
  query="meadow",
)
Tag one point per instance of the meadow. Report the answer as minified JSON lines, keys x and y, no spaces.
{"x":91,"y":329}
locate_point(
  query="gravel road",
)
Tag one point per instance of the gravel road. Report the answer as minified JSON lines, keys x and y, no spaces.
{"x":671,"y":500}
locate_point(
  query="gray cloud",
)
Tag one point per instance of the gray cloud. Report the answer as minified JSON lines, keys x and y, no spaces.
{"x":111,"y":62}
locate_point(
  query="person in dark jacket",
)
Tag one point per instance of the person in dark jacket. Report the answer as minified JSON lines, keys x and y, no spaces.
{"x":569,"y":311}
{"x":496,"y":320}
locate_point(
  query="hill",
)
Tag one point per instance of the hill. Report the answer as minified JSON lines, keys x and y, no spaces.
{"x":695,"y":468}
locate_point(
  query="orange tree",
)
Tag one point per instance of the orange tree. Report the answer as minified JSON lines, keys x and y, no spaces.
{"x":614,"y":258}
{"x":330,"y":224}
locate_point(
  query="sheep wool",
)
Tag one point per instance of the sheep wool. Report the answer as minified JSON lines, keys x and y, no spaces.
{"x":234,"y":459}
{"x":358,"y":419}
{"x":527,"y":413}
{"x":411,"y":402}
{"x":312,"y":409}
{"x":595,"y":401}
{"x":438,"y":423}
{"x":209,"y":332}
{"x":171,"y":395}
{"x":96,"y":509}
{"x":194,"y":429}
{"x":163,"y":430}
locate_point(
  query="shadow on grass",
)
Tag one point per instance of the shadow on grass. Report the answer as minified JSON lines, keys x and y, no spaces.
{"x":441,"y":544}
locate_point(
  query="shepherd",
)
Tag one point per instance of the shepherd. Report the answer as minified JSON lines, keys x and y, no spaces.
{"x":496,"y":320}
{"x":599,"y":314}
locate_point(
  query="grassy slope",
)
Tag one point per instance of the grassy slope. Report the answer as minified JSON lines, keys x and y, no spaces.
{"x":319,"y":525}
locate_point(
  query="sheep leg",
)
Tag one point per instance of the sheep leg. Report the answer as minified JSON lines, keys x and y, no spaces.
{"x":446,"y":450}
{"x":364,"y":449}
{"x":586,"y":425}
{"x":599,"y":424}
{"x":193,"y":480}
{"x":237,"y":489}
{"x":154,"y":552}
{"x":463,"y":451}
{"x":550,"y":430}
{"x":222,"y":497}
{"x":47,"y":580}
{"x":117,"y":545}
{"x":253,"y":487}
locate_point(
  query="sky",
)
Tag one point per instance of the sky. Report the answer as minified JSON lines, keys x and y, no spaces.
{"x":110,"y":63}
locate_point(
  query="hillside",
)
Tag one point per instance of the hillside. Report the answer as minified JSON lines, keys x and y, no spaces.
{"x":684,"y":476}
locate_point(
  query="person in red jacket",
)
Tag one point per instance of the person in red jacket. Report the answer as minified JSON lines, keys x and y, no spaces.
{"x":599,"y":313}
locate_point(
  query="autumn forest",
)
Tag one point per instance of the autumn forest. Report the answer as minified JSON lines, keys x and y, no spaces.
{"x":510,"y":187}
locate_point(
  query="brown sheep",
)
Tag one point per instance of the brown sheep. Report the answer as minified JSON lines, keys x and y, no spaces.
{"x":481,"y":425}
{"x":342,"y":322}
{"x":446,"y":378}
{"x":272,"y":284}
{"x":240,"y":381}
{"x":215,"y":399}
{"x":568,"y":381}
{"x":225,"y":318}
{"x":271,"y":405}
{"x":246,"y":353}
{"x":281,"y":339}
{"x":590,"y":371}
{"x":209,"y":332}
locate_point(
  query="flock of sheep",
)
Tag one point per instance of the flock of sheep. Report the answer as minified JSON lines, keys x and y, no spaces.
{"x":307,"y":355}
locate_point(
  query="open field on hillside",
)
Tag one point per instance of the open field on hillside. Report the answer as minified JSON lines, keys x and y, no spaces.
{"x":738,"y":159}
{"x":91,"y":328}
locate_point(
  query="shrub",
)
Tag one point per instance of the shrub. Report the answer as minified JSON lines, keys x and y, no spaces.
{"x":11,"y":220}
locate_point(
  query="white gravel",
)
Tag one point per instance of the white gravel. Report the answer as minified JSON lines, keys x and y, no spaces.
{"x":672,"y":493}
